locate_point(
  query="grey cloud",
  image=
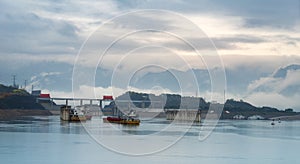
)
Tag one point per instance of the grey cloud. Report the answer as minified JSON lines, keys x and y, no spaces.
{"x":287,"y":38}
{"x":40,"y":27}
{"x":226,"y":42}
{"x":291,"y":43}
{"x":25,"y":30}
{"x":204,"y":44}
{"x":241,"y":39}
{"x":255,"y":13}
{"x":29,"y":33}
{"x":284,"y":23}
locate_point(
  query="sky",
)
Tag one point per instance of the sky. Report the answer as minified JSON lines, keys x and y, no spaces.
{"x":45,"y":42}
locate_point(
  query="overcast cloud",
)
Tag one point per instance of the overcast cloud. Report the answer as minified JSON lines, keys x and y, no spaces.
{"x":41,"y":39}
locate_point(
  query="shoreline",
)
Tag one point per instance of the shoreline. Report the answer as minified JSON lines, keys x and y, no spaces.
{"x":10,"y":114}
{"x":288,"y":118}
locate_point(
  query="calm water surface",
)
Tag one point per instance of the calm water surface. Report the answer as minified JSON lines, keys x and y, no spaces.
{"x":48,"y":140}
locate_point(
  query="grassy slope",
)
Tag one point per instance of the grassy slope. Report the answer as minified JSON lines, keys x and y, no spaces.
{"x":13,"y":98}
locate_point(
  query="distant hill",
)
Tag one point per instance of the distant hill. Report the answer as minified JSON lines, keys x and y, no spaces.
{"x":174,"y":101}
{"x":14,"y":98}
{"x":282,"y":72}
{"x":285,"y":81}
{"x":6,"y":89}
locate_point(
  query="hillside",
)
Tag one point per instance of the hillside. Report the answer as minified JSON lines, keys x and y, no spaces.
{"x":14,"y":98}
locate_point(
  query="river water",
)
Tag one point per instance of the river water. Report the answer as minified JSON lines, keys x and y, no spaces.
{"x":48,"y":140}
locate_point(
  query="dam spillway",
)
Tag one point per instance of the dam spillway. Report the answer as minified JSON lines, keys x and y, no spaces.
{"x":183,"y":115}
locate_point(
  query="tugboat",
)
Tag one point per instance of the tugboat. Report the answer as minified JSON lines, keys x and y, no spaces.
{"x":88,"y":117}
{"x":75,"y":116}
{"x":113,"y":115}
{"x":121,"y":120}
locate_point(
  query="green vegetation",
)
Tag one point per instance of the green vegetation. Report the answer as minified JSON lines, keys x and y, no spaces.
{"x":14,"y":98}
{"x":20,"y":92}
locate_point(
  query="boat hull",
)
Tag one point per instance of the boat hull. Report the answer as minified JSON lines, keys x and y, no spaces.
{"x":77,"y":118}
{"x":119,"y":120}
{"x":88,"y":117}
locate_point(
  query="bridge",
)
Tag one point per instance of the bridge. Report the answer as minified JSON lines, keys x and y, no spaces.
{"x":124,"y":105}
{"x":71,"y":99}
{"x":91,"y":100}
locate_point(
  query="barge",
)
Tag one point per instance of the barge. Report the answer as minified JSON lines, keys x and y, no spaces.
{"x":69,"y":114}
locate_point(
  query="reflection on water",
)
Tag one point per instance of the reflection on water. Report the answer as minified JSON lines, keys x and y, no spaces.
{"x":45,"y":139}
{"x":52,"y":124}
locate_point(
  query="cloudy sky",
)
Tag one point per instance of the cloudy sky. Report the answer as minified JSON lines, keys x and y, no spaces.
{"x":251,"y":40}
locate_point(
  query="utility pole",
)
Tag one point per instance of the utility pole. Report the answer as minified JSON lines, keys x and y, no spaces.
{"x":14,"y":81}
{"x":25,"y":84}
{"x":224,"y":96}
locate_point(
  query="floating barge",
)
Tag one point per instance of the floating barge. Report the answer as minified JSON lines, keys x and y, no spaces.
{"x":113,"y":115}
{"x":69,"y":114}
